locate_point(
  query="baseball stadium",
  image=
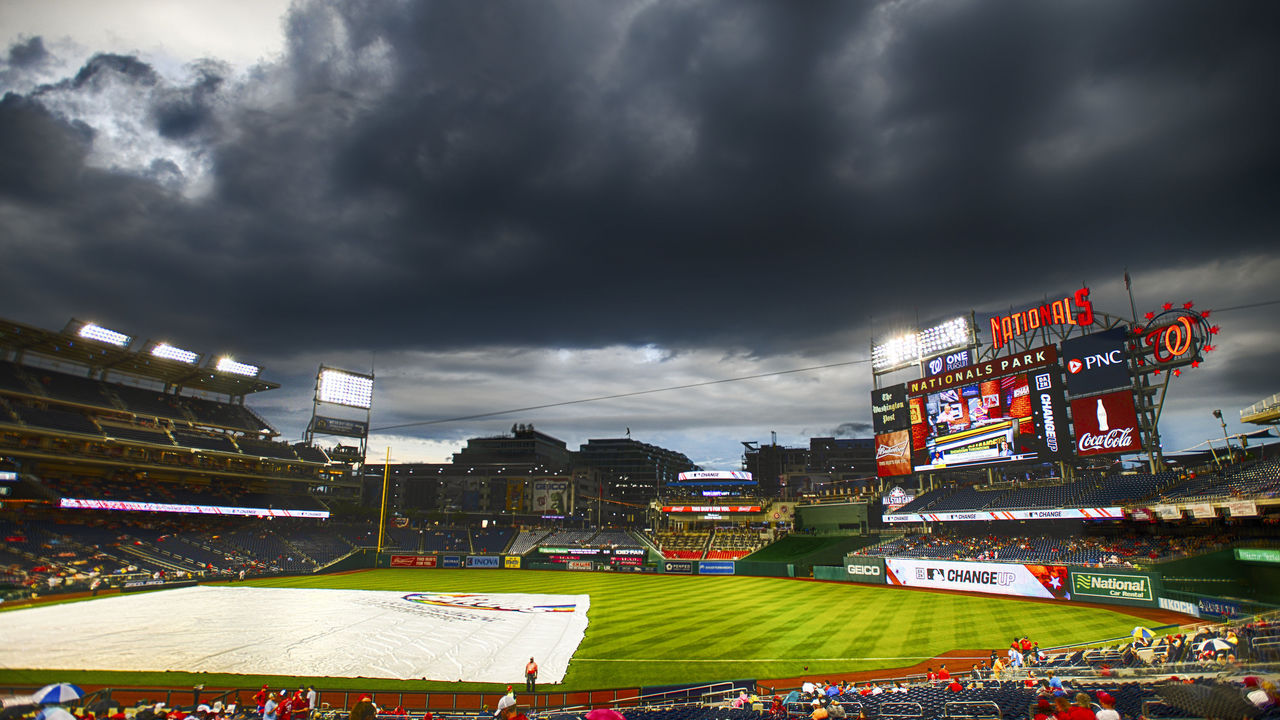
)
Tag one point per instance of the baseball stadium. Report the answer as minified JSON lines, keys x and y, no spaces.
{"x":165,"y":553}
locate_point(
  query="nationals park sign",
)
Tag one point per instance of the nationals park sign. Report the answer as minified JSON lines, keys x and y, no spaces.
{"x":989,"y":370}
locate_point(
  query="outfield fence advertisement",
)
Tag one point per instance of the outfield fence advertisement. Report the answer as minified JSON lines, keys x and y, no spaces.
{"x":1123,"y":587}
{"x":413,"y":561}
{"x":864,"y":569}
{"x":678,"y":567}
{"x":715,"y":567}
{"x":484,"y":561}
{"x":1039,"y":581}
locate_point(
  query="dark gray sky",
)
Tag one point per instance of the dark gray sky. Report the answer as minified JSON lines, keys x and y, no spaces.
{"x":514,"y":203}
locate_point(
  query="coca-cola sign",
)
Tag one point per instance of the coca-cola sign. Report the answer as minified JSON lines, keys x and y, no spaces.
{"x":1106,"y":424}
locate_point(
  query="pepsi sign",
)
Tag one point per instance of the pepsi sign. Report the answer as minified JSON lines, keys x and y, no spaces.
{"x":1097,"y":363}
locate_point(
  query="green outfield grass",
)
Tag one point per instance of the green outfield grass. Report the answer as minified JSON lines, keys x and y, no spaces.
{"x":659,"y":629}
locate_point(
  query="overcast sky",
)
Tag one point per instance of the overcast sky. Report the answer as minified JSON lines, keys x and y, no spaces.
{"x":507,"y":204}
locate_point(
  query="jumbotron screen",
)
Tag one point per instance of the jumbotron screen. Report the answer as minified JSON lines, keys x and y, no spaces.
{"x":977,"y":416}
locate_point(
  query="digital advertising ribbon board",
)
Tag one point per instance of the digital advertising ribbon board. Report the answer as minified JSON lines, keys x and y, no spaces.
{"x":1037,"y":581}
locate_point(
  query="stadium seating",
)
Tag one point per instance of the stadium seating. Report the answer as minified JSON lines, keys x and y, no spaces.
{"x":491,"y":540}
{"x":526,"y":540}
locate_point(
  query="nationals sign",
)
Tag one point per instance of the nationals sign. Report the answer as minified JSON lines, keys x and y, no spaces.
{"x":1106,"y":424}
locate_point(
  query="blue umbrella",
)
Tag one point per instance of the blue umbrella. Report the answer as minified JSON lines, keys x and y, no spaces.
{"x":57,"y":694}
{"x":1142,"y":633}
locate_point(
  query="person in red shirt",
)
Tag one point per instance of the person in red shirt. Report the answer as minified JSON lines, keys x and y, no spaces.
{"x":943,"y":674}
{"x":284,"y":711}
{"x":955,"y":686}
{"x":299,"y":707}
{"x":1043,"y":710}
{"x":1025,"y":645}
{"x":260,"y":698}
{"x":1081,"y":709}
{"x":931,"y":676}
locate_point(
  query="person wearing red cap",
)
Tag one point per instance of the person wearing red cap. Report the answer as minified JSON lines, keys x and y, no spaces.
{"x":1108,"y":703}
{"x":260,"y":698}
{"x":364,"y":709}
{"x":1043,"y":710}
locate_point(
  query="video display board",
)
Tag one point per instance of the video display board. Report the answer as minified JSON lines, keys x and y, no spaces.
{"x":616,"y":557}
{"x":1000,"y":411}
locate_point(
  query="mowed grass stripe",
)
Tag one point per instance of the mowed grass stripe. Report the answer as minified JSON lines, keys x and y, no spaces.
{"x":660,"y":629}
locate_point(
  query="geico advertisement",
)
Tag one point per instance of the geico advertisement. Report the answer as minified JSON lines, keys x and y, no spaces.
{"x":1041,"y":581}
{"x":864,"y":569}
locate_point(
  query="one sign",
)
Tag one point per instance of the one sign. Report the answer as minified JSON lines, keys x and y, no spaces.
{"x":1097,"y":362}
{"x":413,"y":561}
{"x":1258,"y":555}
{"x":511,"y":562}
{"x":1042,"y":581}
{"x":893,"y":454}
{"x":1112,"y":586}
{"x":1106,"y":424}
{"x":950,"y":361}
{"x":1076,"y":309}
{"x":338,"y":426}
{"x":989,"y":370}
{"x":889,"y":409}
{"x":678,"y":567}
{"x":715,"y":567}
{"x":864,"y":569}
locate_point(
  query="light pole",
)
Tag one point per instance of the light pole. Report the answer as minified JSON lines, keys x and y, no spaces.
{"x":1230,"y":452}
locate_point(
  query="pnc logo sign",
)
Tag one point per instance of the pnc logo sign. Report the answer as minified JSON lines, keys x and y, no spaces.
{"x":1107,"y":359}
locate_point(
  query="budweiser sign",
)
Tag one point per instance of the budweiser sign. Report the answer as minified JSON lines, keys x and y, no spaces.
{"x":893,"y":454}
{"x":1106,"y":424}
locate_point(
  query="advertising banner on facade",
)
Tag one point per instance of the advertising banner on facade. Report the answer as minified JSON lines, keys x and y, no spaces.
{"x":483,"y":561}
{"x":1167,"y":512}
{"x":581,"y":565}
{"x":511,"y":562}
{"x":893,"y":454}
{"x":1202,"y":511}
{"x":1049,"y":410}
{"x":1180,"y":606}
{"x":1103,"y":513}
{"x":889,"y":409}
{"x":1106,"y":424}
{"x":552,"y":497}
{"x":1242,"y":508}
{"x":451,"y":561}
{"x":864,"y":569}
{"x":1039,"y":581}
{"x":1097,"y":363}
{"x":413,"y":561}
{"x":338,"y":426}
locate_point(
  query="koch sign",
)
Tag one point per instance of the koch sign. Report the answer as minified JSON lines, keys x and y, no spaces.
{"x":1096,"y":363}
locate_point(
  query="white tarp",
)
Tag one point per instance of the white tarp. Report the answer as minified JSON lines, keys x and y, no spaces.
{"x":283,"y":631}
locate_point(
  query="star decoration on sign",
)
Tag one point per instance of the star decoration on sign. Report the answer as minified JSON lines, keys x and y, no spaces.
{"x":1168,"y":306}
{"x":1187,"y":305}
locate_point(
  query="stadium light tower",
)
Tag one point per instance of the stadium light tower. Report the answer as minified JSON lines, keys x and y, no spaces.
{"x":914,"y":347}
{"x":92,"y":331}
{"x":342,"y":406}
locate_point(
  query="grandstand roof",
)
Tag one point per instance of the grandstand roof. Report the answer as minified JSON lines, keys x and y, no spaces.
{"x":66,"y":346}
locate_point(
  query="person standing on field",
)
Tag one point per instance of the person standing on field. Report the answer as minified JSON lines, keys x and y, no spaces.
{"x":530,"y":675}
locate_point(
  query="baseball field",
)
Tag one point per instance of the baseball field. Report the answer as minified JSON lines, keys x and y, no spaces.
{"x":662,"y":629}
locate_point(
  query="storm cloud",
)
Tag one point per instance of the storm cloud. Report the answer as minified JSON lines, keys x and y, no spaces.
{"x":734,"y":179}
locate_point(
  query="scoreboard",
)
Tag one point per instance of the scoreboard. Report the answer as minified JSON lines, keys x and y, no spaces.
{"x":616,"y":557}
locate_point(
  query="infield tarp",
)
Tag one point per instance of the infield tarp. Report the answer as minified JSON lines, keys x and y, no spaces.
{"x":302,"y":632}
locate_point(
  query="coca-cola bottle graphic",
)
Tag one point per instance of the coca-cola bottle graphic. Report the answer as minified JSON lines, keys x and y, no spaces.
{"x":1102,"y":417}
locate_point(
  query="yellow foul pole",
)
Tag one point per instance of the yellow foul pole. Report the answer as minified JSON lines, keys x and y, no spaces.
{"x":382,"y":515}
